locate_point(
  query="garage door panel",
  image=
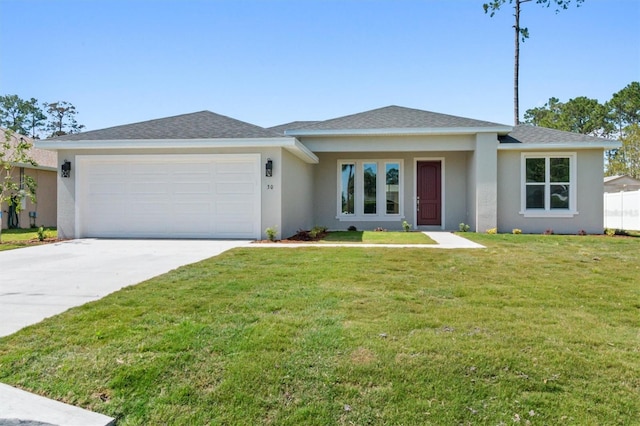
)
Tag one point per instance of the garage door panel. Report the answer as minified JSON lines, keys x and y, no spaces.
{"x":234,"y":177}
{"x":234,"y":188}
{"x":169,"y":196}
{"x":195,"y":188}
{"x":238,"y":166}
{"x":144,"y":188}
{"x":191,"y":209}
{"x":232,"y":228}
{"x":240,"y":208}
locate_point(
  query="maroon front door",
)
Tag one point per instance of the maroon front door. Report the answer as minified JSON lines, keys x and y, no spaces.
{"x":429,"y":193}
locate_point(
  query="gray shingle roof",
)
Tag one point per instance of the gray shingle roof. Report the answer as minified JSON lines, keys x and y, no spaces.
{"x":197,"y":125}
{"x":525,"y":133}
{"x":291,"y":126}
{"x":395,"y":117}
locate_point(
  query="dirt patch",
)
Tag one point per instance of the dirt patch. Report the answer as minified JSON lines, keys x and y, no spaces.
{"x":363,"y":356}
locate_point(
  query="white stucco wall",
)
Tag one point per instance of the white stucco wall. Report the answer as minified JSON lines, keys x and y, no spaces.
{"x":589,"y":187}
{"x":297,"y":195}
{"x":483,"y":183}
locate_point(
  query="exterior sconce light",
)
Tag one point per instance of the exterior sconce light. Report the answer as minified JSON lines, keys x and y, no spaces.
{"x":65,"y":169}
{"x":268,"y":168}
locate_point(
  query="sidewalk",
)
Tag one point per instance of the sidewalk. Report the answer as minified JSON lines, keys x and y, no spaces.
{"x":444,"y":240}
{"x":27,"y":409}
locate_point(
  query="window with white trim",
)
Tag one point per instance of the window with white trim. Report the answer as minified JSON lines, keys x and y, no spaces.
{"x":549,"y":184}
{"x":369,"y":189}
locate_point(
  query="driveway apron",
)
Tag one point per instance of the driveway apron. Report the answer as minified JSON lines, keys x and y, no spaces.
{"x":41,"y":281}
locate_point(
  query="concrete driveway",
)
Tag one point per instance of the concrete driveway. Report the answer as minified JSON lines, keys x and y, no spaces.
{"x":41,"y":281}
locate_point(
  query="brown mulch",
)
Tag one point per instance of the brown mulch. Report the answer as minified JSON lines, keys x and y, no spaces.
{"x":299,"y":237}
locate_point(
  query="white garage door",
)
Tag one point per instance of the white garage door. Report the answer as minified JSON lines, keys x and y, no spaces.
{"x":168,"y":196}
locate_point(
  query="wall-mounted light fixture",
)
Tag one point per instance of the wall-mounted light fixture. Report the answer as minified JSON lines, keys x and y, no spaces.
{"x":65,"y":169}
{"x":268,"y":168}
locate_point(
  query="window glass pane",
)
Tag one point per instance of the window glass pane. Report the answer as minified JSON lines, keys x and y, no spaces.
{"x":370,"y":174}
{"x":393,"y":188}
{"x":535,"y":196}
{"x":535,"y":170}
{"x":559,"y":169}
{"x":347,"y":188}
{"x":559,"y":196}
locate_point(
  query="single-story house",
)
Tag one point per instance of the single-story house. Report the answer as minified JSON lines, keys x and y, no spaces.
{"x":44,"y":211}
{"x":204,"y":175}
{"x":620,"y":183}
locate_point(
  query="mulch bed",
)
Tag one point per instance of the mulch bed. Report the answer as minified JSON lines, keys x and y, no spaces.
{"x":300,"y":237}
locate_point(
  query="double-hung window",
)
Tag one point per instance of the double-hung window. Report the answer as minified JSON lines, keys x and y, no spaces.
{"x":369,"y":189}
{"x":548,"y":184}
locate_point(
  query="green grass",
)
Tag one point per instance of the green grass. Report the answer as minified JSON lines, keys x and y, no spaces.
{"x":538,"y":328}
{"x":373,"y":237}
{"x":18,"y":238}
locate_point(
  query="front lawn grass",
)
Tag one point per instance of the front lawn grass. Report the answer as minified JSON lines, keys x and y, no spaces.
{"x":376,"y":237}
{"x":17,"y":238}
{"x":533,"y":329}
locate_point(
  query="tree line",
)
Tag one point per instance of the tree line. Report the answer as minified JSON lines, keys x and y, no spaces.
{"x":617,"y":118}
{"x":36,"y":120}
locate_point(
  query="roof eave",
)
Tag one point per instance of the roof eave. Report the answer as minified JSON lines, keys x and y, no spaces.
{"x":31,"y":166}
{"x":288,"y":143}
{"x":501,"y":130}
{"x":559,"y":145}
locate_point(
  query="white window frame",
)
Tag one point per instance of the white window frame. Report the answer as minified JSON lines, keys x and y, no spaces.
{"x":381,"y":191}
{"x":547,"y":211}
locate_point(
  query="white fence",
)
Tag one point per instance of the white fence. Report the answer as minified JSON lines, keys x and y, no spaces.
{"x":622,"y":210}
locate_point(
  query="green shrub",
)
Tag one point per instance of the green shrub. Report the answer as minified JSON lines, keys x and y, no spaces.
{"x":42,"y":234}
{"x":317,"y":231}
{"x":271,"y":232}
{"x":610,"y":232}
{"x":406,"y":226}
{"x":463,"y":227}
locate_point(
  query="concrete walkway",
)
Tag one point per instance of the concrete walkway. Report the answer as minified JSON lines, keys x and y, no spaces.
{"x":444,"y":240}
{"x":18,"y":407}
{"x":41,"y":281}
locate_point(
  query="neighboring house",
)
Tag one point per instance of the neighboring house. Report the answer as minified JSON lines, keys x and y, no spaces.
{"x":621,"y":183}
{"x":204,"y":175}
{"x":44,"y":211}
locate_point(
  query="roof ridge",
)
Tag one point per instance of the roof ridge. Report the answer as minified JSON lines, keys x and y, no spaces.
{"x":396,"y":117}
{"x":203,"y":124}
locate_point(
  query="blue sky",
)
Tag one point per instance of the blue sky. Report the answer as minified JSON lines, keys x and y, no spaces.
{"x":273,"y":61}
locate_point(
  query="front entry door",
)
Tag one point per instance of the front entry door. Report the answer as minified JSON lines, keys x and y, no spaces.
{"x":429,"y":193}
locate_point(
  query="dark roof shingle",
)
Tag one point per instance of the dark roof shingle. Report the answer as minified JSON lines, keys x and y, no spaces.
{"x":525,"y":133}
{"x":291,"y":126}
{"x":395,"y":117}
{"x":197,"y":125}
